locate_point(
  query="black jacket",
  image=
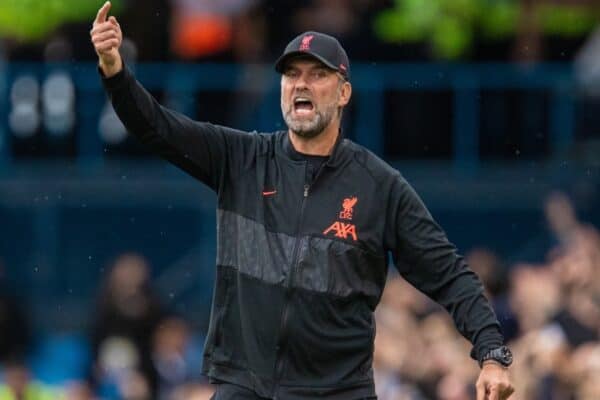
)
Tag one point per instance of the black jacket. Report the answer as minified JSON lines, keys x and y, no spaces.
{"x":301,"y":268}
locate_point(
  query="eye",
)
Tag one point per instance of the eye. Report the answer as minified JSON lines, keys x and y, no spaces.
{"x":319,"y":73}
{"x":291,"y":73}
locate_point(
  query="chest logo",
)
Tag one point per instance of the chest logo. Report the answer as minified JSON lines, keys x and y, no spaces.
{"x":344,"y":229}
{"x":348,"y":208}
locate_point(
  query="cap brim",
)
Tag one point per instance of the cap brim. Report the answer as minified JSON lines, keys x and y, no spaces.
{"x":284,"y":59}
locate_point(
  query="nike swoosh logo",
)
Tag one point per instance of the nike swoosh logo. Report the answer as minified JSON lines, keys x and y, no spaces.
{"x":271,"y":193}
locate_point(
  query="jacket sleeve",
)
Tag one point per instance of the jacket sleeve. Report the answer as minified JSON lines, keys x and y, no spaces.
{"x":426,"y":259}
{"x":201,"y":149}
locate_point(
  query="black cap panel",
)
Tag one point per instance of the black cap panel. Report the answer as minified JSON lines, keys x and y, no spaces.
{"x":285,"y":58}
{"x":323,"y":47}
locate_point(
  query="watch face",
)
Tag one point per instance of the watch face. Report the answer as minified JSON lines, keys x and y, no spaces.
{"x":507,"y":355}
{"x":502,"y":355}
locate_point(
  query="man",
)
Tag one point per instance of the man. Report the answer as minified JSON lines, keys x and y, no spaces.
{"x":305,"y":222}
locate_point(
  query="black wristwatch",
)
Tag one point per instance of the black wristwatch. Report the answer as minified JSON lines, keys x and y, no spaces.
{"x":501,"y":355}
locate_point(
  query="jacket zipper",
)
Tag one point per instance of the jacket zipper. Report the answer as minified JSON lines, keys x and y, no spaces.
{"x":279,"y":366}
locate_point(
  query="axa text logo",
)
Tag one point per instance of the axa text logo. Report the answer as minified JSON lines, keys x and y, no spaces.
{"x":342,"y":229}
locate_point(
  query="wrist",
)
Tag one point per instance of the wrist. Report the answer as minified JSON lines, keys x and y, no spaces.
{"x":110,"y":70}
{"x":493,"y":363}
{"x":500,"y":355}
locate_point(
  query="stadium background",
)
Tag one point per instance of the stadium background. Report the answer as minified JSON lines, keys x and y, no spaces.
{"x":489,"y":107}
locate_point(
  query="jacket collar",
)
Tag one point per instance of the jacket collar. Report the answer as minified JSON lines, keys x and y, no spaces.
{"x":334,"y":159}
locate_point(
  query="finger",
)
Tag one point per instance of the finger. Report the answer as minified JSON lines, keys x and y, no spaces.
{"x":101,"y":27}
{"x":105,"y":51}
{"x":103,"y":12}
{"x":480,"y":391}
{"x":493,"y":393}
{"x":101,"y":37}
{"x":115,"y":24}
{"x":106,"y":46}
{"x":507,"y":392}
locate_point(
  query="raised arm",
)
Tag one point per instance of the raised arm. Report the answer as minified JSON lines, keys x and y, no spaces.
{"x":203,"y":150}
{"x":107,"y":38}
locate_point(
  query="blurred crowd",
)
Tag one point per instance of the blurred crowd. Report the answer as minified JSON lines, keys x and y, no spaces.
{"x":135,"y":348}
{"x":549,"y":313}
{"x":250,"y":31}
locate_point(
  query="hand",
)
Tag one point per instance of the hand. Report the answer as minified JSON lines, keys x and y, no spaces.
{"x":107,"y":38}
{"x":494,"y":382}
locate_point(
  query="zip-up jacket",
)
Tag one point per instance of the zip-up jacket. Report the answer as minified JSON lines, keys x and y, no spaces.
{"x":301,"y":267}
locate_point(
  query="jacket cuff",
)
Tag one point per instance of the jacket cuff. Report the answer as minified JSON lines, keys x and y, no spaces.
{"x":488,"y":339}
{"x":116,"y":81}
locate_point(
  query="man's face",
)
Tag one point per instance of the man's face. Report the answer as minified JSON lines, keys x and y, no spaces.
{"x":311,"y":95}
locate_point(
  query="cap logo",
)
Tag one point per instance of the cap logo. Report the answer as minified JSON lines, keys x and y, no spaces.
{"x":343,"y":67}
{"x":305,"y":45}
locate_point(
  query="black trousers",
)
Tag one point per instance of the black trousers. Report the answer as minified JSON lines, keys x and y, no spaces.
{"x":227,"y":391}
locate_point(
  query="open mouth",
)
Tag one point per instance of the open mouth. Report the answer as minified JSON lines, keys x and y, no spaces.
{"x":303,"y":106}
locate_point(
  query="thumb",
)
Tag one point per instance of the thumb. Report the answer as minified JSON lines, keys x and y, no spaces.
{"x":103,"y":12}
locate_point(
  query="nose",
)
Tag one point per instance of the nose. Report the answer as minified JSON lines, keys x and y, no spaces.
{"x":301,"y":82}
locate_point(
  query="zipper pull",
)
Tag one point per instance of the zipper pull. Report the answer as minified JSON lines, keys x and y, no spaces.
{"x":306,"y":187}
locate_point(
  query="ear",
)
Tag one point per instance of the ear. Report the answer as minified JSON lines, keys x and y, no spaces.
{"x":345,"y":94}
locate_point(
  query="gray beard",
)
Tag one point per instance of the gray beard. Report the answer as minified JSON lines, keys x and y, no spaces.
{"x":309,"y":128}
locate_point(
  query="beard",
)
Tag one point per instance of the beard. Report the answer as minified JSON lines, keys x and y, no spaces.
{"x":309,"y":128}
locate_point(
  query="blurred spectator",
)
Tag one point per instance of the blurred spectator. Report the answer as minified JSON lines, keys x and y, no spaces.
{"x":18,"y":385}
{"x":490,"y":270}
{"x":400,"y":296}
{"x":442,"y":370}
{"x":193,"y":391}
{"x":335,"y":17}
{"x":577,"y":268}
{"x":535,"y":296}
{"x":173,"y":356}
{"x":561,"y":218}
{"x":206,"y":28}
{"x":585,"y":371}
{"x":395,"y":342}
{"x":78,"y":391}
{"x":493,"y":274}
{"x":14,"y":328}
{"x":575,"y":262}
{"x":127,"y":313}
